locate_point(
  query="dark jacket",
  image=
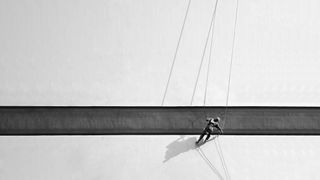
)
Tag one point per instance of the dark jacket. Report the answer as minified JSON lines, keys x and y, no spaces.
{"x":211,"y":125}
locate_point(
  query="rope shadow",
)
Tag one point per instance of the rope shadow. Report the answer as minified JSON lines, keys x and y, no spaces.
{"x":212,"y":167}
{"x":218,"y":146}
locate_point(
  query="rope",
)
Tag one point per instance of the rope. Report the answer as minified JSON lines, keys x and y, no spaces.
{"x":228,"y":92}
{"x":204,"y":50}
{"x":208,"y":68}
{"x":176,"y":52}
{"x":208,"y":72}
{"x":231,"y":62}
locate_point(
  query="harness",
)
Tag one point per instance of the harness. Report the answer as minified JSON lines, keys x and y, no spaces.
{"x":210,"y":127}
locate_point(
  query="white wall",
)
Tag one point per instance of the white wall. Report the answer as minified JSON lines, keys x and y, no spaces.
{"x":114,"y":52}
{"x":159,"y":157}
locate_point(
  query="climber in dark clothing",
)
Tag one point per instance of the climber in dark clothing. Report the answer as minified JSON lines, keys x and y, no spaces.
{"x":208,"y":130}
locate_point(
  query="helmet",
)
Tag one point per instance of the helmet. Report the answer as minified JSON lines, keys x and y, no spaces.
{"x":217,"y":119}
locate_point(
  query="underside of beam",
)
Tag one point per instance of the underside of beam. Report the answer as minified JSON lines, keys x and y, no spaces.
{"x":157,"y":120}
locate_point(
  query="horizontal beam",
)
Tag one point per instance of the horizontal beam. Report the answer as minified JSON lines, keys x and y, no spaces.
{"x":157,"y":120}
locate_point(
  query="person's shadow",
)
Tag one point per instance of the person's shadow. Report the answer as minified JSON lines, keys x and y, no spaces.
{"x":179,"y":146}
{"x":183,"y":144}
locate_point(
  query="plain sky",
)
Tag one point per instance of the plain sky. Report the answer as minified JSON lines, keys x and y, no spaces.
{"x":98,"y":52}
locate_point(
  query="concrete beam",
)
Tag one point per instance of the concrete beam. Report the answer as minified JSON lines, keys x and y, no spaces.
{"x":157,"y":120}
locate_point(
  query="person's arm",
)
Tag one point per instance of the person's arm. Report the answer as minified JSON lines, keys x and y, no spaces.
{"x":218,"y":127}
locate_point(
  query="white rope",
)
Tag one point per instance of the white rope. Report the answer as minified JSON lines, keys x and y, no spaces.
{"x":228,"y":92}
{"x":204,"y":51}
{"x":208,"y":68}
{"x":175,"y":54}
{"x":231,"y":63}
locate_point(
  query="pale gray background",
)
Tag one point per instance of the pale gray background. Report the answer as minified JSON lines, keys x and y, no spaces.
{"x":113,"y":52}
{"x":119,"y":52}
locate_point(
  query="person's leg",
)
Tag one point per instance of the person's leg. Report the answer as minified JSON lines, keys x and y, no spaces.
{"x":208,"y":136}
{"x":201,"y":136}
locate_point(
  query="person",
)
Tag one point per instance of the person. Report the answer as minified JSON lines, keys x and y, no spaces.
{"x":208,"y":130}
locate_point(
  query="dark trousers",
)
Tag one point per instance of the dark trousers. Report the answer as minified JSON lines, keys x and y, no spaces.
{"x":205,"y":132}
